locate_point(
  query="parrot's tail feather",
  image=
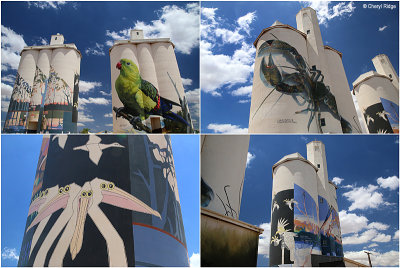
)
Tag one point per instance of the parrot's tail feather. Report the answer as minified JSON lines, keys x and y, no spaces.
{"x":164,"y":100}
{"x":175,"y":117}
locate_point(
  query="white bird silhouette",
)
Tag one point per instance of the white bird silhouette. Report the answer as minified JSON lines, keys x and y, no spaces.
{"x":369,"y":119}
{"x":62,"y":139}
{"x":290,"y":203}
{"x":78,"y":202}
{"x":276,"y":206}
{"x":95,"y":148}
{"x":382,"y":114}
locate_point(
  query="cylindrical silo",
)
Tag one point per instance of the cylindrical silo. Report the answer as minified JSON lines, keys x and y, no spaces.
{"x":340,"y":89}
{"x":167,"y":72}
{"x":146,"y":63}
{"x":118,"y":52}
{"x":59,"y":97}
{"x":112,"y":208}
{"x":223,"y":164}
{"x":39,"y":90}
{"x":280,"y":101}
{"x":294,"y":212}
{"x":17,"y":116}
{"x":378,"y":99}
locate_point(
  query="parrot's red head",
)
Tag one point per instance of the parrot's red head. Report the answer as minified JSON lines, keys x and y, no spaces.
{"x":119,"y":65}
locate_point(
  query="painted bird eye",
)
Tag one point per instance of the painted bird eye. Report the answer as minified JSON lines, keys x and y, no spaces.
{"x":103,"y":186}
{"x":89,"y":193}
{"x":60,"y":191}
{"x":83,"y":194}
{"x":128,"y":63}
{"x":66,"y":188}
{"x":111,"y":186}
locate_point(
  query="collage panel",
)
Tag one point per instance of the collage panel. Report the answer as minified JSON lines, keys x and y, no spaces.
{"x":136,"y":71}
{"x":299,"y":200}
{"x":299,"y":67}
{"x":100,"y":200}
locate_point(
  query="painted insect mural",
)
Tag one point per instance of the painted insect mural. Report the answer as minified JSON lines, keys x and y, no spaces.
{"x":296,"y":78}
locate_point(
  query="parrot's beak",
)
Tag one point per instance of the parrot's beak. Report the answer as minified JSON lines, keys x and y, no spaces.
{"x":119,"y":65}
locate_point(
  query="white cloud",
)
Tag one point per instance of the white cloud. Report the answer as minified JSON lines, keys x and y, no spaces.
{"x":80,"y":124}
{"x":245,"y":21}
{"x":381,"y":29}
{"x":86,"y":86}
{"x":390,"y":258}
{"x":105,"y":93}
{"x":82,"y":117}
{"x":365,"y":237}
{"x":250,"y":157}
{"x":187,"y":81}
{"x":227,"y":128}
{"x":328,"y":10}
{"x":180,"y":24}
{"x":6,"y":92}
{"x":11,"y":45}
{"x":10,"y":78}
{"x":390,"y":182}
{"x":244,"y":101}
{"x":360,"y":115}
{"x":208,"y":13}
{"x":99,"y":101}
{"x":264,"y":240}
{"x":47,"y":4}
{"x":193,"y":99}
{"x":378,"y":226}
{"x":396,"y":235}
{"x":243,"y":91}
{"x":97,"y":50}
{"x":373,"y":245}
{"x":364,"y":197}
{"x":109,"y":125}
{"x":352,"y":223}
{"x":43,"y":41}
{"x":108,"y":115}
{"x":195,"y":260}
{"x":218,"y":70}
{"x":337,"y":180}
{"x":9,"y":253}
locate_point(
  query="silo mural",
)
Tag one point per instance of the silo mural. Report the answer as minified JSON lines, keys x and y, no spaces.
{"x":46,"y":91}
{"x":146,"y":86}
{"x":304,"y":218}
{"x":118,"y":206}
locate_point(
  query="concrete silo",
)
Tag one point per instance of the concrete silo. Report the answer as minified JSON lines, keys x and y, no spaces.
{"x":49,"y":76}
{"x":294,"y":89}
{"x":225,"y":240}
{"x":111,"y":209}
{"x":156,"y":62}
{"x":377,"y":94}
{"x":305,"y":226}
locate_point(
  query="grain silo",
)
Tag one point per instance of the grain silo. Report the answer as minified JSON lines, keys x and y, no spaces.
{"x":295,"y":90}
{"x":377,"y":94}
{"x":46,"y":91}
{"x":156,"y":62}
{"x":94,"y":203}
{"x":305,"y":227}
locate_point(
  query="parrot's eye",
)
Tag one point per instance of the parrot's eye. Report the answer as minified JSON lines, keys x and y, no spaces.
{"x":103,"y":186}
{"x":128,"y":63}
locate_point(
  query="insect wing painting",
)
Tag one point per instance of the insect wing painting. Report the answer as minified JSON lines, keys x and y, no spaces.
{"x":82,"y":216}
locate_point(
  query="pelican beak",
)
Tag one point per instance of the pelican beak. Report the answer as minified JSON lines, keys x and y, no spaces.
{"x":120,"y":198}
{"x":77,"y":238}
{"x":54,"y":204}
{"x":35,"y":205}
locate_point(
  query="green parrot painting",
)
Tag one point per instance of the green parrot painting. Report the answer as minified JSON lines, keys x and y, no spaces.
{"x":139,"y":97}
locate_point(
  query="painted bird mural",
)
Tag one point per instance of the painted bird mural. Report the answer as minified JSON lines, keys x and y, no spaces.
{"x":139,"y":97}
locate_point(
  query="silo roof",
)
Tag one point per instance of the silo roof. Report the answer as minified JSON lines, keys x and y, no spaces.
{"x":141,"y":41}
{"x":278,"y":26}
{"x":291,"y":157}
{"x":72,"y":46}
{"x":366,"y":76}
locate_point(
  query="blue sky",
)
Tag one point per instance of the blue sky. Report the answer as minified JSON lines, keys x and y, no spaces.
{"x":93,"y":26}
{"x":20,"y":154}
{"x":228,"y":30}
{"x":366,"y":167}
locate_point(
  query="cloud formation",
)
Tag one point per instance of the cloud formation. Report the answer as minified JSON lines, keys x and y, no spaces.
{"x":250,"y":157}
{"x":227,"y":128}
{"x":86,"y":86}
{"x":193,"y":99}
{"x":9,"y":253}
{"x":337,"y":180}
{"x":195,"y":260}
{"x":391,"y":182}
{"x":365,"y":197}
{"x":97,"y":50}
{"x":328,"y":10}
{"x":47,"y":4}
{"x":390,"y":258}
{"x":264,"y":240}
{"x":11,"y":45}
{"x":179,"y":24}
